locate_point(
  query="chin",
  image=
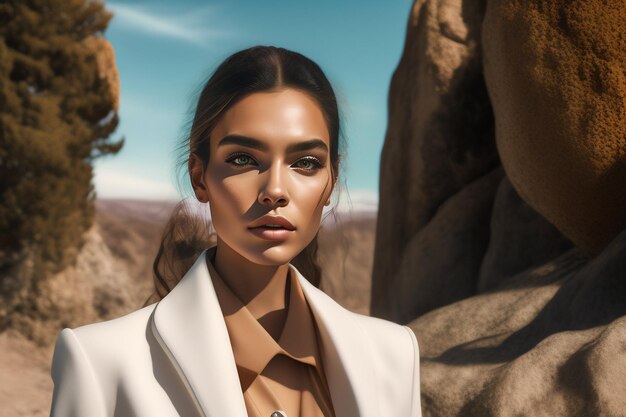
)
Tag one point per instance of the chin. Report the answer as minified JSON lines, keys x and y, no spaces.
{"x":276,"y":254}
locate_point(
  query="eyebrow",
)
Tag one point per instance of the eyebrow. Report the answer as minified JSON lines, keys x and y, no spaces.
{"x":257,"y":144}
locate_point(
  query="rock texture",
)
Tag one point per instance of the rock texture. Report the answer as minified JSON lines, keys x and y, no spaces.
{"x":556,"y":76}
{"x":501,"y":236}
{"x":519,"y":239}
{"x":93,"y":289}
{"x":549,"y":342}
{"x":439,"y":139}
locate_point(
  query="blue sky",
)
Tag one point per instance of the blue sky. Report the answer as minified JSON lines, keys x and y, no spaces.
{"x":165,"y":50}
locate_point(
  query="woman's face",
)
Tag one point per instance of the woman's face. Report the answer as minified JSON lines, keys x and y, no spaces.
{"x":269,"y":156}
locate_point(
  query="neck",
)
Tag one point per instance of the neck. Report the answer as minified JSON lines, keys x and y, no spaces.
{"x":261,"y":288}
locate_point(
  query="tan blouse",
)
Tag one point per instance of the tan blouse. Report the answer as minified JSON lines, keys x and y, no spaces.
{"x":287,"y":376}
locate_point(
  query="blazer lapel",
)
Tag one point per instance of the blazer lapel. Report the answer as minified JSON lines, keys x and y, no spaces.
{"x":189,"y":325}
{"x":346,"y":358}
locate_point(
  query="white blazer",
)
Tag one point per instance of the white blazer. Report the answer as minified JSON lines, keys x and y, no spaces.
{"x":174,"y":358}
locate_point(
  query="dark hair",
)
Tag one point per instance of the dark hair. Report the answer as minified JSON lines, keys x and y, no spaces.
{"x":256,"y":69}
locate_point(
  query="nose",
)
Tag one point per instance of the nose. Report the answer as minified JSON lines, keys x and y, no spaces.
{"x":273,"y":192}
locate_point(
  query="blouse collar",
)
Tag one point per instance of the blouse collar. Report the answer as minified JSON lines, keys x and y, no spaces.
{"x":189,"y":326}
{"x":253,"y":346}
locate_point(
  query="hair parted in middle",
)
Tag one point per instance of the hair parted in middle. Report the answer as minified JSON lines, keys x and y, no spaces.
{"x":252,"y":70}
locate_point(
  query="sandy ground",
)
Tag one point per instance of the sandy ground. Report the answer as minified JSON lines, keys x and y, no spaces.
{"x":25,"y":385}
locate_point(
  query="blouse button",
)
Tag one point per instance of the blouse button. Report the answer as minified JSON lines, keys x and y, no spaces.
{"x":279,"y":413}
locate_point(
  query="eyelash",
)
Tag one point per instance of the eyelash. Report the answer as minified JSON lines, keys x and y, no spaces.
{"x":316,"y":162}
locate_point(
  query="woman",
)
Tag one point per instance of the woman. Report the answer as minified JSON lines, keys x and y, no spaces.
{"x":243,"y":332}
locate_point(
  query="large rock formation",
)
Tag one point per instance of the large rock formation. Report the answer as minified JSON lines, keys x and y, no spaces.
{"x":549,"y":342}
{"x":501,"y":233}
{"x":439,"y":139}
{"x":556,"y":75}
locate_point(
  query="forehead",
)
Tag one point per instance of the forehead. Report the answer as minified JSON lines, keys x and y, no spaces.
{"x":284,"y":115}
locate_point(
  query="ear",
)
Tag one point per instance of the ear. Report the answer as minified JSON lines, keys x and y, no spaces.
{"x":196,"y":175}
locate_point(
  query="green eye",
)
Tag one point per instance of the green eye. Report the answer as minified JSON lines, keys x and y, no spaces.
{"x":311,"y":163}
{"x":239,"y":159}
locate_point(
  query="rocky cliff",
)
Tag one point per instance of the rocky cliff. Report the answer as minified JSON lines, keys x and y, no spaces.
{"x":501,"y":235}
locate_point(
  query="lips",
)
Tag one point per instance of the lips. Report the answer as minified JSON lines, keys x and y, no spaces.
{"x":265,"y":223}
{"x":262,"y":228}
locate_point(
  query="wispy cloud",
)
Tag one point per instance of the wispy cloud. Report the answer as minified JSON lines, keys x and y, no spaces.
{"x":354,"y":201}
{"x":112,"y":183}
{"x":186,"y":25}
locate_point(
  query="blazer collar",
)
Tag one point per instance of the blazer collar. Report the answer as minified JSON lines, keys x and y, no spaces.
{"x":189,"y":325}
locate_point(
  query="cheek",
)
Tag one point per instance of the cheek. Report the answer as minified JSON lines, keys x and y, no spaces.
{"x":310,"y":195}
{"x":231,"y":196}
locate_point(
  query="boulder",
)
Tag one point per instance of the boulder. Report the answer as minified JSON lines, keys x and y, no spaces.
{"x":439,"y":137}
{"x":549,"y":342}
{"x":501,"y":233}
{"x":555,"y":72}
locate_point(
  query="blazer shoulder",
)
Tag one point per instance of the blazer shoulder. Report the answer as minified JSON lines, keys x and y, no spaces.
{"x":91,"y":360}
{"x":395,"y":356}
{"x":386,"y":329}
{"x":117,"y":326}
{"x":383,"y":333}
{"x":121,"y":334}
{"x":76,"y":389}
{"x":389,"y":339}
